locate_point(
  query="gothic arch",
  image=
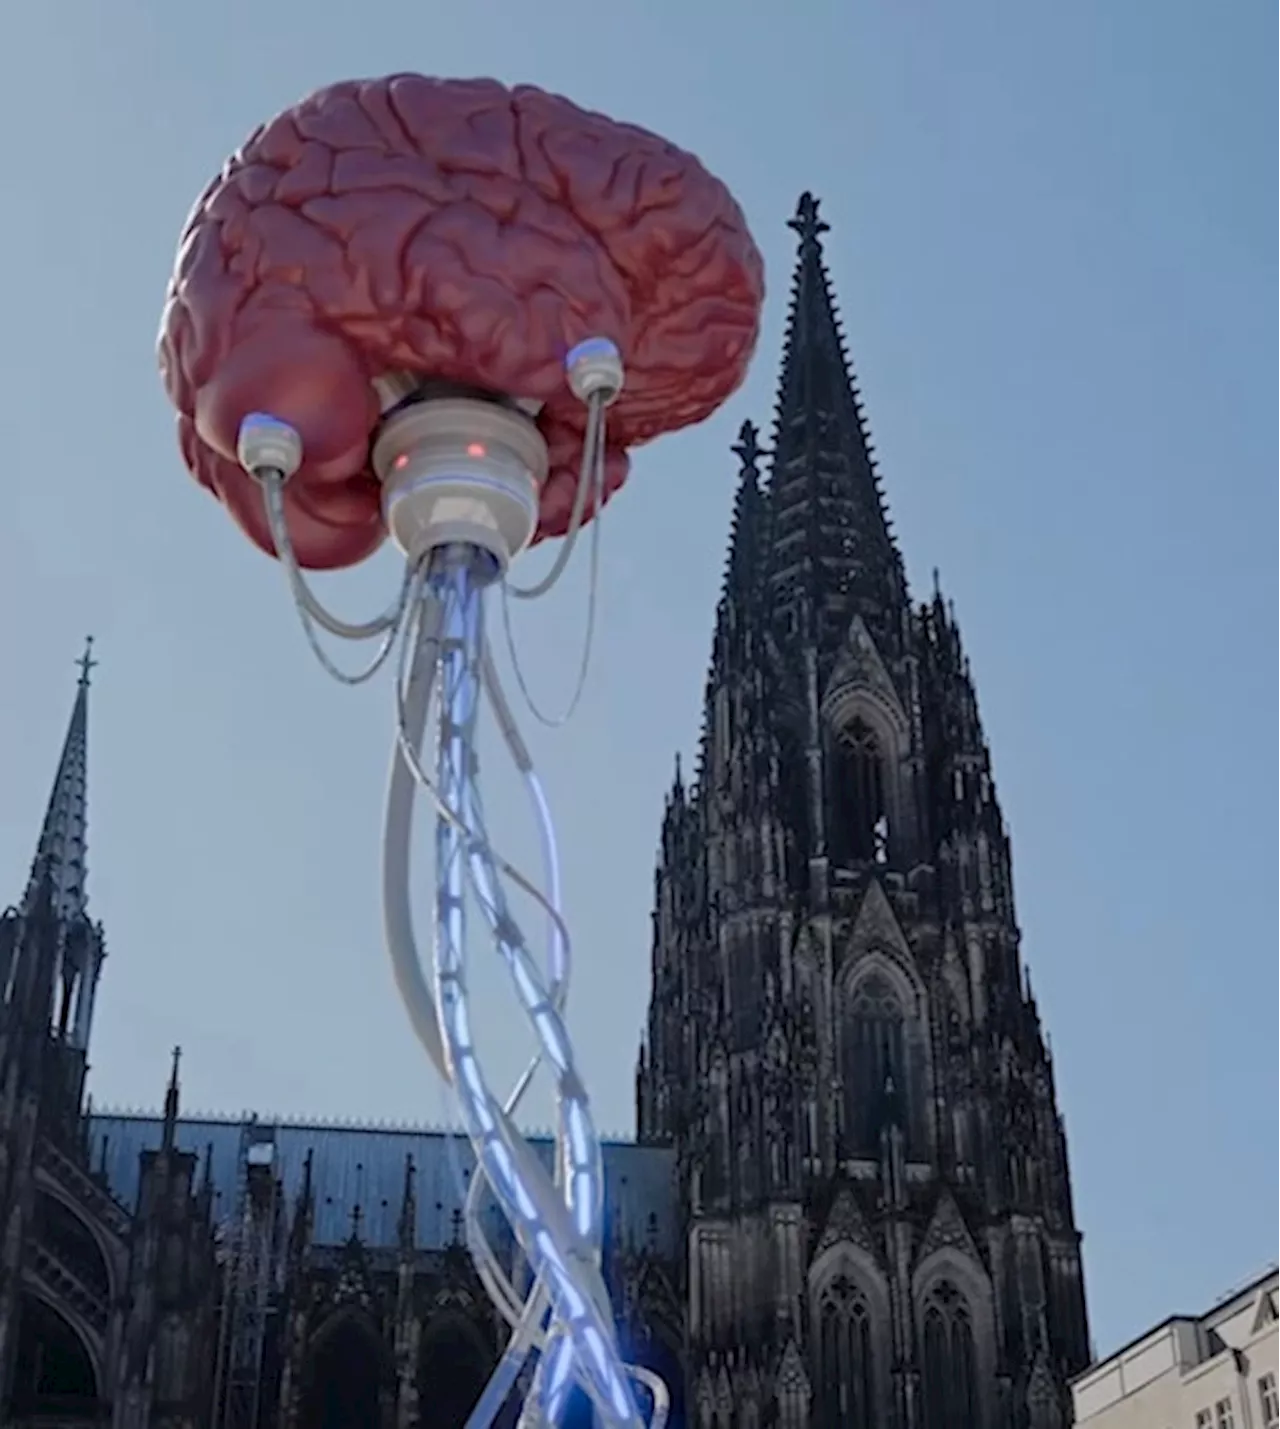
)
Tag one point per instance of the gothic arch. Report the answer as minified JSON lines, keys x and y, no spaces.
{"x":57,"y":1369}
{"x":882,"y":1035}
{"x":112,"y":1250}
{"x":878,"y":959}
{"x":70,"y":1236}
{"x":345,"y":1373}
{"x":955,"y":1337}
{"x":866,"y":741}
{"x":850,"y":1312}
{"x":885,"y":717}
{"x":454,"y":1364}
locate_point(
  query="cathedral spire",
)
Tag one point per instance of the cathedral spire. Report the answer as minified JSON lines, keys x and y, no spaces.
{"x":833,"y":548}
{"x":58,"y":868}
{"x":742,"y":570}
{"x":51,"y":954}
{"x":407,"y":1224}
{"x":171,"y":1099}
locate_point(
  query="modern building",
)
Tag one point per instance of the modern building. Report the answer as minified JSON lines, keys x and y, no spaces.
{"x":849,"y":1202}
{"x":1212,"y":1371}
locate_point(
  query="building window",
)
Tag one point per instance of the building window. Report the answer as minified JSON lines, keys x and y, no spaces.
{"x":845,"y":1347}
{"x":950,"y":1366}
{"x":1269,"y":1401}
{"x":874,"y":1062}
{"x":860,"y":811}
{"x":1225,"y":1419}
{"x":1204,"y":1419}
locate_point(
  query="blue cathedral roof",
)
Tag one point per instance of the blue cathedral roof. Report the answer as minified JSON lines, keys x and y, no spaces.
{"x":364,"y":1167}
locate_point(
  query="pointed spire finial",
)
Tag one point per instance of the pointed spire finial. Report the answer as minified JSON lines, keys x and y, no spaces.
{"x":808,"y":222}
{"x":171,"y":1102}
{"x":408,"y":1205}
{"x":58,"y":869}
{"x":823,"y":480}
{"x":300,"y":1230}
{"x":748,"y":449}
{"x":86,"y":662}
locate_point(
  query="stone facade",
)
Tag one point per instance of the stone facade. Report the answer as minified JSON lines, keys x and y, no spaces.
{"x":849,"y":1203}
{"x":843,"y":1048}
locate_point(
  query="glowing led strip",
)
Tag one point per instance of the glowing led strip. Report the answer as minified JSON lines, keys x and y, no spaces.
{"x":563,"y":1250}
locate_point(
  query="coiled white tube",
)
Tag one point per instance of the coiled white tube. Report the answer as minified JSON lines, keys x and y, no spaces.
{"x":526,"y":1318}
{"x":559,"y":1248}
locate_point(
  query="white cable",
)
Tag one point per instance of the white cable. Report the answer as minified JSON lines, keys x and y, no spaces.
{"x":593,"y":476}
{"x":557,"y":1390}
{"x":556,"y":1238}
{"x":593,"y":443}
{"x":310,"y":611}
{"x":428,"y":785}
{"x":406,"y":774}
{"x":525,"y":1317}
{"x":414,"y":689}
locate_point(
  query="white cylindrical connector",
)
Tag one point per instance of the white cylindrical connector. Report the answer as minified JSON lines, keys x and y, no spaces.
{"x":594,"y":368}
{"x":459,"y":470}
{"x":266,"y":444}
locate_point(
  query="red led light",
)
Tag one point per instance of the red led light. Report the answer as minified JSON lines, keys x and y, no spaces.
{"x":475,"y":449}
{"x":400,"y":462}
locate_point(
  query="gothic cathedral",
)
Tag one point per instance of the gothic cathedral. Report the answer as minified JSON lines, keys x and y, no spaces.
{"x":848,"y":1205}
{"x":841,"y":1048}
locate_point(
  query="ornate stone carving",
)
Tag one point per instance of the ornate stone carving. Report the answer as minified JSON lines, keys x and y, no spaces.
{"x":860,"y":674}
{"x":845,"y":1224}
{"x":947,"y":1231}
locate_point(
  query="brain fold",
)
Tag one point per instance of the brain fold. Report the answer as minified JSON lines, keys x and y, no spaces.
{"x":464,"y":232}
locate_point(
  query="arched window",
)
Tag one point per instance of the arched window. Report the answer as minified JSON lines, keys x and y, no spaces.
{"x":847,"y":1393}
{"x":859,"y":804}
{"x":454,"y":1369}
{"x":343,"y":1382}
{"x":875,"y":1062}
{"x":950,"y":1369}
{"x":54,"y":1375}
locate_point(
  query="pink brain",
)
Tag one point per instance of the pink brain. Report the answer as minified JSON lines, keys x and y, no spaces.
{"x":464,"y":232}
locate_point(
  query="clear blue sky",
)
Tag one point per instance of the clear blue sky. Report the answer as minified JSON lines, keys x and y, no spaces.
{"x":1054,"y":242}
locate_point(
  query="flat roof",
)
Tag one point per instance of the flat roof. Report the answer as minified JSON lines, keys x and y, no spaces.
{"x":1249,"y":1287}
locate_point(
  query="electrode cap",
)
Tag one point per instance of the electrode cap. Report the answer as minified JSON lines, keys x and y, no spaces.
{"x":266,"y":444}
{"x":458,"y":470}
{"x":594,"y":368}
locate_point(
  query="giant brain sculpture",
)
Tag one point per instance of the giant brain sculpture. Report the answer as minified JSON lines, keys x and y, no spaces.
{"x":462,"y":232}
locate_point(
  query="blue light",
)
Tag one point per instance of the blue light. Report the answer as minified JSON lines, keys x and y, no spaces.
{"x":560,"y":1228}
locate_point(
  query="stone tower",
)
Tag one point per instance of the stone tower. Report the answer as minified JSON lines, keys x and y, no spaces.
{"x":842,"y":1046}
{"x":104,"y":1312}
